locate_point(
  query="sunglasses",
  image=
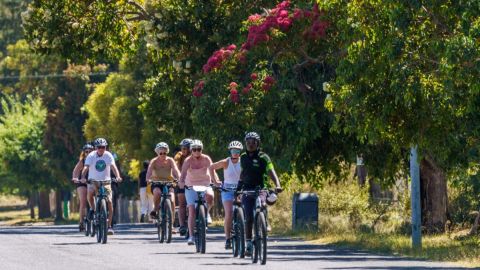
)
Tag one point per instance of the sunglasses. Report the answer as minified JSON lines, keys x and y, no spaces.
{"x":101,"y":147}
{"x":185,"y":148}
{"x":196,"y":149}
{"x":235,"y":151}
{"x":88,"y":151}
{"x":162,"y":154}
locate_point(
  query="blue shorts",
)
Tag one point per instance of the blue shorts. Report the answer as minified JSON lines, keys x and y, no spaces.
{"x":228,"y":195}
{"x":191,"y":195}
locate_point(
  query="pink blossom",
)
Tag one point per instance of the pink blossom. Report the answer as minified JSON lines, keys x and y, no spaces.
{"x":232,"y":47}
{"x":247,"y":89}
{"x":233,"y":92}
{"x":254,"y":76}
{"x":283,"y":13}
{"x":233,"y":85}
{"x":269,"y":80}
{"x":254,"y":17}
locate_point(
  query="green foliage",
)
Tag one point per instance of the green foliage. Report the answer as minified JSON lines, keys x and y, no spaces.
{"x":22,"y":127}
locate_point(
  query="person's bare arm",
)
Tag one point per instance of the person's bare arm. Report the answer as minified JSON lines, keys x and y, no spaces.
{"x":276,"y":180}
{"x":222,"y":164}
{"x":84,"y":173}
{"x":76,"y":174}
{"x":175,"y":171}
{"x":183,"y":174}
{"x":116,"y":172}
{"x":149,"y":171}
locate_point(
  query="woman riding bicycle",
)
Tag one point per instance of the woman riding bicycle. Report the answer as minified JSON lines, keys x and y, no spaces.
{"x":81,"y":187}
{"x":161,"y":168}
{"x":231,"y":171}
{"x":196,"y":172}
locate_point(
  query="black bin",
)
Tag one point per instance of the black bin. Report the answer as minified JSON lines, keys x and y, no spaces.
{"x":305,"y":212}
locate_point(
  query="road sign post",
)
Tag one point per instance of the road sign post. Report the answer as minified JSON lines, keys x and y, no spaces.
{"x":415,"y":199}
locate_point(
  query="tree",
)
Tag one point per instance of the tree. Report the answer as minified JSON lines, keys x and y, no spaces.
{"x":21,"y":152}
{"x":409,"y":78}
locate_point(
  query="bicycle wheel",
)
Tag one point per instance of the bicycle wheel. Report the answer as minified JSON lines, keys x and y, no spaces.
{"x":261,"y":241}
{"x":240,"y":234}
{"x":98,"y":225}
{"x":86,"y":225}
{"x":201,"y":229}
{"x":255,"y":240}
{"x":103,"y":221}
{"x":168,"y":224}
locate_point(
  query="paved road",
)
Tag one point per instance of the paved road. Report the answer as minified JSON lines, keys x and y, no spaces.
{"x":136,"y":247}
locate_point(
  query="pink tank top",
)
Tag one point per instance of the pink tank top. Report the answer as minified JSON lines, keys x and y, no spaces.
{"x":197,"y":177}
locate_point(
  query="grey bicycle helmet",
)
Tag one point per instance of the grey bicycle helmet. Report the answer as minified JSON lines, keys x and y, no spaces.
{"x":235,"y":145}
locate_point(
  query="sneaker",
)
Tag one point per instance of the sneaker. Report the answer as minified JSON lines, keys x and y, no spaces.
{"x":209,"y":220}
{"x":191,"y":241}
{"x":110,"y":231}
{"x":228,"y":244}
{"x":142,"y":218}
{"x":153,"y":215}
{"x":248,"y":251}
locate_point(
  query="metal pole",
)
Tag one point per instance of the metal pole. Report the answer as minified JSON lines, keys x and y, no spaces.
{"x":415,"y":199}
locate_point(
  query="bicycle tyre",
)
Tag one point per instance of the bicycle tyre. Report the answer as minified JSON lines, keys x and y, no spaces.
{"x":86,"y":226}
{"x":256,"y":236}
{"x":241,"y":232}
{"x":201,"y":229}
{"x":261,"y":242}
{"x":104,"y":221}
{"x":167,"y":207}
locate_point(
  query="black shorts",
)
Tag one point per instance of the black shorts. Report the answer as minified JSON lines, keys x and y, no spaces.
{"x":77,"y":185}
{"x":180,"y":190}
{"x":157,"y":185}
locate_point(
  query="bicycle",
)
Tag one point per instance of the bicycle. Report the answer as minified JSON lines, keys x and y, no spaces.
{"x":237,"y":234}
{"x":164,"y":219}
{"x":200,"y":218}
{"x":100,"y":219}
{"x":259,"y":252}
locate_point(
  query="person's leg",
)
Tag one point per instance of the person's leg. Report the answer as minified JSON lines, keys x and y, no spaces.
{"x":248,"y":205}
{"x":157,"y":193}
{"x":228,"y":207}
{"x":143,"y":201}
{"x":209,"y":197}
{"x":108,"y":189}
{"x":172,"y":198}
{"x":190,"y":197}
{"x":82,"y":198}
{"x":90,"y":196}
{"x":182,"y":207}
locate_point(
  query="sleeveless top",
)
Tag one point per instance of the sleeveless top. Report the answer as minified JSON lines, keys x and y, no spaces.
{"x":161,"y":173}
{"x":232,"y":172}
{"x":197,"y":177}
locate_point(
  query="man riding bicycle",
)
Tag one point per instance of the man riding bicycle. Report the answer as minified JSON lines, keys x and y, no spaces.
{"x":99,"y":164}
{"x":256,"y":168}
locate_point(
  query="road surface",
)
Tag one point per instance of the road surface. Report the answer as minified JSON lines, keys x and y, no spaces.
{"x":135,"y":246}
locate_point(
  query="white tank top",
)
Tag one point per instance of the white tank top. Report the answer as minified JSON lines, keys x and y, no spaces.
{"x":232,"y":172}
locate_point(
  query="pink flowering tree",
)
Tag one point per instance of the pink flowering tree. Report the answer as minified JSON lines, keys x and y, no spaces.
{"x":270,"y":80}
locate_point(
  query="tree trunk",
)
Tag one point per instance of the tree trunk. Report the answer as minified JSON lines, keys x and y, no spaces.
{"x":44,"y":205}
{"x":433,"y":194}
{"x":58,"y":205}
{"x":31,"y":204}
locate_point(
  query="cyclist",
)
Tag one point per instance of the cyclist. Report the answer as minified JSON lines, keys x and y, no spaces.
{"x":182,"y":202}
{"x":256,"y":167}
{"x":161,"y":168}
{"x":146,"y":198}
{"x":231,"y":171}
{"x":196,"y":172}
{"x":99,"y":163}
{"x":81,"y":187}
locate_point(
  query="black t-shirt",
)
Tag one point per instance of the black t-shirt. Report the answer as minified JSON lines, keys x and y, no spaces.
{"x":255,"y":169}
{"x":142,"y":182}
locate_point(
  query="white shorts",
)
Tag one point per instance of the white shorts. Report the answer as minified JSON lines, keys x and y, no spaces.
{"x":192,"y":197}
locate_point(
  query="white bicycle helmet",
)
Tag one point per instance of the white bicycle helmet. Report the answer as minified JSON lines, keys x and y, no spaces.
{"x":161,"y":145}
{"x":271,"y":198}
{"x":100,"y":142}
{"x":235,"y":145}
{"x":196,"y":144}
{"x":252,"y":135}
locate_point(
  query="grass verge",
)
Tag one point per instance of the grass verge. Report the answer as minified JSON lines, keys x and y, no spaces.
{"x":453,"y":248}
